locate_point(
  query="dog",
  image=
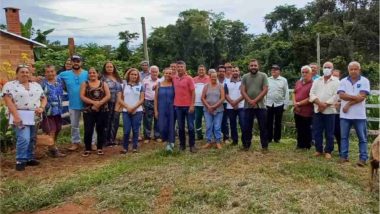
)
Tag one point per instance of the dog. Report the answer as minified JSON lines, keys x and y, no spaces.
{"x":374,"y":162}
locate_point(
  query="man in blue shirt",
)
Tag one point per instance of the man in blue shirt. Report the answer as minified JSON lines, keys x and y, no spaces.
{"x":73,"y":79}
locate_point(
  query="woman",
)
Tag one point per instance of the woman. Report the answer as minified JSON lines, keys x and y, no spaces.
{"x":25,"y":100}
{"x":131,"y":99}
{"x":212,"y":99}
{"x":95,"y":94}
{"x":111,"y":77}
{"x":52,"y":121}
{"x":164,"y":109}
{"x":67,"y":66}
{"x":303,"y":109}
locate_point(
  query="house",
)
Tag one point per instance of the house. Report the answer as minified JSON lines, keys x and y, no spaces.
{"x":12,"y":44}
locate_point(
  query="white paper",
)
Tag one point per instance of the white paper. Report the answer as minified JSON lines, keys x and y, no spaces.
{"x":26,"y":116}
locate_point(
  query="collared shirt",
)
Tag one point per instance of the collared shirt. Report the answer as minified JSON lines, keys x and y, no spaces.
{"x":278,"y":92}
{"x":114,"y":87}
{"x":132,"y":95}
{"x":183,"y":88}
{"x":302,"y":91}
{"x":73,"y":82}
{"x":232,"y":89}
{"x":254,"y":84}
{"x":199,"y":85}
{"x":54,"y":94}
{"x":149,"y":87}
{"x":22,"y":98}
{"x":358,"y":110}
{"x":325,"y":92}
{"x":143,"y":75}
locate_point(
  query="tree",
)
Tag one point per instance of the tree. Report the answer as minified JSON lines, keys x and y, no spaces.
{"x":123,"y":51}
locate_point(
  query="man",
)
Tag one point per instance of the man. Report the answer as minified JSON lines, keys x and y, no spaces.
{"x":314,"y":70}
{"x":149,"y":84}
{"x":254,"y":87}
{"x":229,"y":70}
{"x":184,"y":105}
{"x":353,"y":91}
{"x":200,"y":81}
{"x":276,"y":102}
{"x":73,"y":80}
{"x":221,"y":72}
{"x":235,"y":104}
{"x":336,"y":73}
{"x":144,"y":69}
{"x":173,"y":66}
{"x":323,"y":96}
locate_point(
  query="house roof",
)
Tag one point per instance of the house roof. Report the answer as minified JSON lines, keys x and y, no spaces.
{"x":23,"y":38}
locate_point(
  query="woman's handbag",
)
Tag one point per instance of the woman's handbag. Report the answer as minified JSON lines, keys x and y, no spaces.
{"x":44,"y":139}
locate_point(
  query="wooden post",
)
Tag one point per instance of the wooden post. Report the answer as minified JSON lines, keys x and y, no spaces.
{"x":146,"y":55}
{"x":71,"y":45}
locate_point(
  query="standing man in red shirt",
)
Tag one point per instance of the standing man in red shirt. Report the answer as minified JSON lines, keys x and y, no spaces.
{"x":184,"y":105}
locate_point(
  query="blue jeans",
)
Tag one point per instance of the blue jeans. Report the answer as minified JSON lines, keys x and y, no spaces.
{"x":233,"y":114}
{"x":213,"y":126}
{"x":25,"y":140}
{"x":183,"y":115}
{"x":74,"y":120}
{"x":131,"y":121}
{"x":360,"y":126}
{"x":324,"y":123}
{"x":249,"y":116}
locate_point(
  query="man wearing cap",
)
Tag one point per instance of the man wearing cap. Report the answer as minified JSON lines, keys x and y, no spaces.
{"x":276,"y":102}
{"x":73,"y":80}
{"x":145,"y":70}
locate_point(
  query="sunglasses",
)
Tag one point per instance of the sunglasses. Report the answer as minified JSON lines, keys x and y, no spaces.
{"x":22,"y":66}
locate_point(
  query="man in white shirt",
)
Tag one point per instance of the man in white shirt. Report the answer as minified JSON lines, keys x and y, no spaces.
{"x":235,"y":104}
{"x":276,"y":102}
{"x":353,"y":91}
{"x":323,"y":96}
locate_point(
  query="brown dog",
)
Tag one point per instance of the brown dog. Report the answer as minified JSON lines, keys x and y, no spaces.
{"x":374,"y":161}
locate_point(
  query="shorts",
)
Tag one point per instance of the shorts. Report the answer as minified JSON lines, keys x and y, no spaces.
{"x":52,"y":124}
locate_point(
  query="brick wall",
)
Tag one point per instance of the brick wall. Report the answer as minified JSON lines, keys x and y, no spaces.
{"x":11,"y":49}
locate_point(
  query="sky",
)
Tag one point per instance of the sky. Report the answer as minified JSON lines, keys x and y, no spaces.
{"x":100,"y":21}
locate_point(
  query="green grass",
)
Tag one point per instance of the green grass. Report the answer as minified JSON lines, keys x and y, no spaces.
{"x":227,"y":181}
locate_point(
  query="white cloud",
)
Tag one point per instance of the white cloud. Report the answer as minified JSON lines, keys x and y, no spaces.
{"x":100,"y":21}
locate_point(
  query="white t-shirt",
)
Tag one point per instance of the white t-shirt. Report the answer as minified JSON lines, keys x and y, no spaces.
{"x":358,"y":110}
{"x":233,"y":91}
{"x":132,"y":95}
{"x":198,"y":93}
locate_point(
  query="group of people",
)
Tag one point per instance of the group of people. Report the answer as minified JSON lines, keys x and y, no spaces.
{"x":323,"y":106}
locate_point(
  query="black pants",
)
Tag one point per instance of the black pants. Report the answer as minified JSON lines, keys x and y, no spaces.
{"x":303,"y":126}
{"x":337,"y":131}
{"x":274,"y":115}
{"x":225,"y":125}
{"x":249,"y":116}
{"x":91,"y":119}
{"x":233,"y":115}
{"x":112,"y":124}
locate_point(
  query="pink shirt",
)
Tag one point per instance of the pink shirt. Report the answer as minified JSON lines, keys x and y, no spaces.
{"x":183,"y":87}
{"x":149,"y":86}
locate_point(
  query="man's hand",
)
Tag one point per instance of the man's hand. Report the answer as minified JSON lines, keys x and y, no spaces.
{"x":252,"y":102}
{"x":191,"y":109}
{"x":39,"y":110}
{"x":346,"y":107}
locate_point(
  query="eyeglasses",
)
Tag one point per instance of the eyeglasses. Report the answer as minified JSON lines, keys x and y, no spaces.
{"x":22,"y":66}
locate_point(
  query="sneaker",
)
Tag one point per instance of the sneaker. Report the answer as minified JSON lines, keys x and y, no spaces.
{"x":343,"y":160}
{"x":328,"y":156}
{"x":169,"y":148}
{"x":32,"y":163}
{"x":207,"y":146}
{"x":123,"y":152}
{"x":20,"y":166}
{"x":146,"y":141}
{"x":55,"y":153}
{"x":218,"y":146}
{"x":361,"y":163}
{"x":317,"y":154}
{"x":193,"y":149}
{"x":172,"y":145}
{"x":73,"y":147}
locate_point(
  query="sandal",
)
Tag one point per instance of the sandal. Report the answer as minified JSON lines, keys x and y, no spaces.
{"x":124,"y":151}
{"x":100,"y":152}
{"x":86,"y":153}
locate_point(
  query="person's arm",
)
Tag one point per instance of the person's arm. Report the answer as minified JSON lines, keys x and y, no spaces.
{"x":41,"y":109}
{"x":12,"y":109}
{"x":286,"y":89}
{"x":192,"y":88}
{"x":262,"y":94}
{"x":156,"y":101}
{"x":83,"y":95}
{"x":108,"y":95}
{"x":140,"y":102}
{"x":243,"y":91}
{"x":358,"y":99}
{"x":121,"y":102}
{"x":229,"y":100}
{"x":222,"y":97}
{"x":203,"y":97}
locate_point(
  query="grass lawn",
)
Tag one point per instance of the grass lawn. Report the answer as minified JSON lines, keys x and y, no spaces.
{"x":210,"y":181}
